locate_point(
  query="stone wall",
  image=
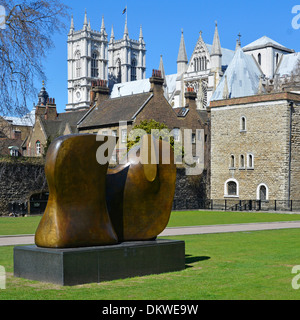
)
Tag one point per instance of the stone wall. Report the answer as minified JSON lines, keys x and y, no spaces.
{"x":18,"y":181}
{"x":191,"y":191}
{"x":266,"y":138}
{"x":295,"y":153}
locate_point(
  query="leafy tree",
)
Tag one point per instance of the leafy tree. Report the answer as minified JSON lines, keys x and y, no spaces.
{"x":148,"y":126}
{"x":26,"y":30}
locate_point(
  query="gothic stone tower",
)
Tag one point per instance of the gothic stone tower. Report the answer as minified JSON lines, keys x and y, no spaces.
{"x":127,"y":58}
{"x":92,"y":57}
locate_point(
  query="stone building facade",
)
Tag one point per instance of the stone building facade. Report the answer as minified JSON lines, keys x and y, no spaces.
{"x":255,"y":147}
{"x":91,"y":56}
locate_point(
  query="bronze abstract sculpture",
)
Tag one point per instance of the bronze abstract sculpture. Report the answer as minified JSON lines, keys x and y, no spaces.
{"x":76,"y":214}
{"x":91,"y":205}
{"x":140,"y":196}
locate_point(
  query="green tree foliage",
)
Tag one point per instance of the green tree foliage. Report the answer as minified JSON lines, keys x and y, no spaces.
{"x":159,"y":131}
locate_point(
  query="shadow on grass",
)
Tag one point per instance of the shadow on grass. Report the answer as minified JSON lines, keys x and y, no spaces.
{"x":191,"y":259}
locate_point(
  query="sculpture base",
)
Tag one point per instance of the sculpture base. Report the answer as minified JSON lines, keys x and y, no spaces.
{"x":70,"y":267}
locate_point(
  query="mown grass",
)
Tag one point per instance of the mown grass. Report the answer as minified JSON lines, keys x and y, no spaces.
{"x":231,"y":266}
{"x":28,"y":225}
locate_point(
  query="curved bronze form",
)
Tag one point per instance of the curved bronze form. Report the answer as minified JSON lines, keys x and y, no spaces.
{"x":140,"y":196}
{"x":76,"y":213}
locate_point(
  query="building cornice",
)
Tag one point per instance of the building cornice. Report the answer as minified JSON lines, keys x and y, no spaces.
{"x":256,"y":99}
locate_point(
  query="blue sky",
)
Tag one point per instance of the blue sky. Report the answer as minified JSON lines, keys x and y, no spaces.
{"x":162,"y":21}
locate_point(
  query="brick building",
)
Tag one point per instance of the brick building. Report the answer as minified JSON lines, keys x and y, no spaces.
{"x":48,"y":125}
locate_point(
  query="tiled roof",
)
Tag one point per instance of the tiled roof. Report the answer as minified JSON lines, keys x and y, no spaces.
{"x":112,"y":111}
{"x":57,"y":127}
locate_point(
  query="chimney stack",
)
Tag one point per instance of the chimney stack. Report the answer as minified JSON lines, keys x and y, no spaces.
{"x":190,"y":98}
{"x":99,"y":92}
{"x":156,"y":81}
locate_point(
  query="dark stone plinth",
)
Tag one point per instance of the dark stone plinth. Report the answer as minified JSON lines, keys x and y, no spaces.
{"x":97,"y":264}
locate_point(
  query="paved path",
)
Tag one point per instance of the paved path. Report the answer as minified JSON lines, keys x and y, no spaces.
{"x":29,"y":239}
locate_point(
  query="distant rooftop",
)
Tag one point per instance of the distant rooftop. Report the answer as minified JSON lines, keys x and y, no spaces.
{"x":28,"y":120}
{"x":288,"y":63}
{"x":265,"y":42}
{"x":242,"y":76}
{"x":227,"y":54}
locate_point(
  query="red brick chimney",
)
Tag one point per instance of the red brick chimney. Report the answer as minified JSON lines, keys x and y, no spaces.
{"x":99,"y":92}
{"x":50,"y":112}
{"x":190,"y":98}
{"x":156,"y":82}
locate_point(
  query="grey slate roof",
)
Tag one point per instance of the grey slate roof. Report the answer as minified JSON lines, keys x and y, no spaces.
{"x":55,"y":128}
{"x":112,"y":111}
{"x":242,"y":75}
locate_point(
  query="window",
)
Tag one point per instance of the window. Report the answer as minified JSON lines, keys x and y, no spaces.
{"x":114,"y":133}
{"x":200,"y":64}
{"x":232,"y":161}
{"x":262,"y":192}
{"x":243,"y":123}
{"x":124,"y":135}
{"x":133,"y":70}
{"x":193,"y":137}
{"x":104,"y":133}
{"x":94,"y":65}
{"x":119,"y":74}
{"x":277,"y":59}
{"x":78,"y":64}
{"x":231,"y":188}
{"x":242,"y":162}
{"x":38,"y":147}
{"x":250,"y":161}
{"x":259,"y":59}
{"x":176,"y":132}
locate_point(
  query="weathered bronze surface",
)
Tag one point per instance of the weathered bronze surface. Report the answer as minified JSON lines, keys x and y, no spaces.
{"x":76,"y":213}
{"x":90,"y":205}
{"x":140,"y":196}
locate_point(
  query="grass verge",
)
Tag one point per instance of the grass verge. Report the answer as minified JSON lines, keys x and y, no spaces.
{"x":28,"y":225}
{"x":234,"y":266}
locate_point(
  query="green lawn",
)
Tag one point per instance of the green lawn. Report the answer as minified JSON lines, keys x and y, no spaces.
{"x":198,"y":218}
{"x":28,"y":225}
{"x":244,"y":266}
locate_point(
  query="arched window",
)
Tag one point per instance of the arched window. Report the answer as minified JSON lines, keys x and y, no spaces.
{"x":94,"y":65}
{"x":133,"y":70}
{"x":231,"y":188}
{"x":277,"y":59}
{"x":232,"y":161}
{"x":242,"y":161}
{"x":78,"y":64}
{"x":262,"y":192}
{"x":250,"y":161}
{"x":119,"y":74}
{"x":38,"y":147}
{"x":259,"y":59}
{"x":243,"y":123}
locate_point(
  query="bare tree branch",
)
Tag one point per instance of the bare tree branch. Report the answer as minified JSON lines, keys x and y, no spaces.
{"x":24,"y":43}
